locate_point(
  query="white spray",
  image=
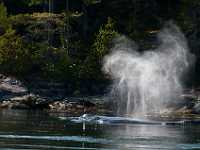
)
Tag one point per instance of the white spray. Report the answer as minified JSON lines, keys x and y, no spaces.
{"x":145,"y":82}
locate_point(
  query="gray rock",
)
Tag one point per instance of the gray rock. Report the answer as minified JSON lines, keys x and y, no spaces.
{"x":196,"y":108}
{"x":29,"y":101}
{"x":11,"y":87}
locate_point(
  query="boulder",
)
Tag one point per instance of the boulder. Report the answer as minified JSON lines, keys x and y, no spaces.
{"x":72,"y":107}
{"x":29,"y":101}
{"x":196,"y":108}
{"x":11,"y":87}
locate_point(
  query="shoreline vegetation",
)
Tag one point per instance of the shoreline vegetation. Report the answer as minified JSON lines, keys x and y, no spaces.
{"x":56,"y":50}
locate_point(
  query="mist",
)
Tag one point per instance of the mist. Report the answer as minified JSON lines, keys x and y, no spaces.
{"x":146,"y":82}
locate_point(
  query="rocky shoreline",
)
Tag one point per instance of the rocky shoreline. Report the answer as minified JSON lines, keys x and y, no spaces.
{"x":70,"y":106}
{"x":14,"y":95}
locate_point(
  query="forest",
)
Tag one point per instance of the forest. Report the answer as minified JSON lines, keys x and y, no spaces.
{"x":66,"y":40}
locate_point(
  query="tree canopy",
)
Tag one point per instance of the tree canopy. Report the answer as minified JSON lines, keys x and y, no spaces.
{"x":66,"y":40}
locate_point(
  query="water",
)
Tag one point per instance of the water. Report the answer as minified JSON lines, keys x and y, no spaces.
{"x":149,"y":81}
{"x":40,"y":130}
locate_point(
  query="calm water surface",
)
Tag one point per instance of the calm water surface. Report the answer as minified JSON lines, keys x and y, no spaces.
{"x":40,"y":130}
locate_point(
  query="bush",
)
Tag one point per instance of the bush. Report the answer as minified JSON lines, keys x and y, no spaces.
{"x":14,"y":57}
{"x":4,"y":21}
{"x":100,"y":47}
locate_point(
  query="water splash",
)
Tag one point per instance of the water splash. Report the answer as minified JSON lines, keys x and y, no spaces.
{"x":107,"y":120}
{"x":146,"y":82}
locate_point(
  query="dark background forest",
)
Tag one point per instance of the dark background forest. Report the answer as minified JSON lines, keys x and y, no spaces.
{"x":64,"y":41}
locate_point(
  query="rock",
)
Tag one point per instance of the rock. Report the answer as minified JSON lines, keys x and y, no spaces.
{"x":59,"y":106}
{"x":5,"y":104}
{"x":11,"y":87}
{"x":75,"y":107}
{"x":196,"y":108}
{"x":11,"y":84}
{"x":86,"y":103}
{"x":14,"y":95}
{"x":19,"y":106}
{"x":13,"y":105}
{"x":183,"y":110}
{"x":29,"y":101}
{"x":79,"y":106}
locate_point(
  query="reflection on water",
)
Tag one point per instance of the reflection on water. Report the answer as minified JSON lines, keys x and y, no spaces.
{"x":39,"y":130}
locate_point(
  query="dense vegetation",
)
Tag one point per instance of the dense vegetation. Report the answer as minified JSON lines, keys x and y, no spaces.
{"x":65,"y":41}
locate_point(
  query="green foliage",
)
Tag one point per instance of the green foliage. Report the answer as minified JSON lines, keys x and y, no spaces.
{"x":100,"y":47}
{"x":71,"y":46}
{"x":36,"y":2}
{"x":3,"y":12}
{"x":25,"y":51}
{"x":89,"y":2}
{"x":20,"y":59}
{"x":56,"y":64}
{"x":13,"y":54}
{"x":4,"y":21}
{"x":103,"y":38}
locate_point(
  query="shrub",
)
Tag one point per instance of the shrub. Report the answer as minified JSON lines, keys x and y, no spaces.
{"x":92,"y":67}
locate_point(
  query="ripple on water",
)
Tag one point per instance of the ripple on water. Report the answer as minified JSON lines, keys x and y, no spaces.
{"x":188,"y":146}
{"x":60,"y":138}
{"x":116,"y":133}
{"x":124,"y":120}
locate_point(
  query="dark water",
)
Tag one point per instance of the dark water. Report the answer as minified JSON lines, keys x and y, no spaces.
{"x":40,"y":130}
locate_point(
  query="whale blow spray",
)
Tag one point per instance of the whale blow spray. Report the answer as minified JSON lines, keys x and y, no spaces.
{"x":145,"y":82}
